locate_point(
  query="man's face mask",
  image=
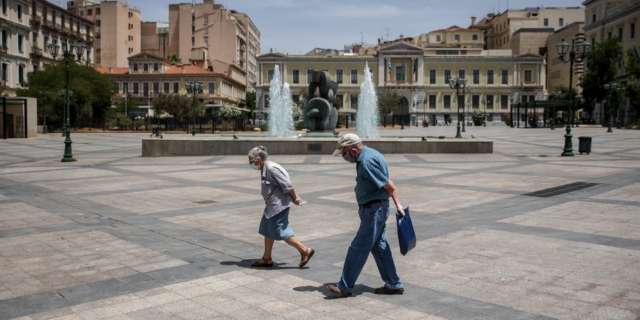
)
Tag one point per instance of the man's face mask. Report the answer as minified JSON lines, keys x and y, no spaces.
{"x":349,"y":157}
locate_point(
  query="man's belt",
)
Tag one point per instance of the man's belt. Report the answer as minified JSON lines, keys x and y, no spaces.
{"x":368,"y":204}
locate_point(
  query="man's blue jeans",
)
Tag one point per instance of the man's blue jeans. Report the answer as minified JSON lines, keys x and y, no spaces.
{"x":370,"y":238}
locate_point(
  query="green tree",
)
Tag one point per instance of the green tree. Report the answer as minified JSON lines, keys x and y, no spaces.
{"x":89,"y":87}
{"x":177,"y":106}
{"x":561,"y":92}
{"x":337,"y":103}
{"x":387,"y":101}
{"x":174,"y":59}
{"x":229,"y":112}
{"x":250,"y":97}
{"x":632,"y":89}
{"x":602,"y":68}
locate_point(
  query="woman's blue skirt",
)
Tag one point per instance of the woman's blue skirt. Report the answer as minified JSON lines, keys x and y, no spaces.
{"x":277,"y":227}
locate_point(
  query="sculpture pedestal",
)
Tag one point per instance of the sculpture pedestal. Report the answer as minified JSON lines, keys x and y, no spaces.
{"x":317,"y":134}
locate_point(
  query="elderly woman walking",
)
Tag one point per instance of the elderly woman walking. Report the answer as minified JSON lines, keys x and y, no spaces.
{"x":279,"y":195}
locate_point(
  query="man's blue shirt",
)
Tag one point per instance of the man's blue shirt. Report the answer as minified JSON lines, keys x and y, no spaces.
{"x":372,"y":175}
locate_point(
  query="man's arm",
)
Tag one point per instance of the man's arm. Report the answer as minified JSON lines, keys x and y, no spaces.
{"x":393,"y":193}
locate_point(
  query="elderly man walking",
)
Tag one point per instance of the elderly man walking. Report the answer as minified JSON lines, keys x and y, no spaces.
{"x":373,"y":189}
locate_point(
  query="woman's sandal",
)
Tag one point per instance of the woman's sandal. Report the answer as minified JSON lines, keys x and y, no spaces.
{"x":262,"y":263}
{"x":305,"y":258}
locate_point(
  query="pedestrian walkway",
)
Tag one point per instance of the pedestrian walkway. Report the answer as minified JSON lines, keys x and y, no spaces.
{"x":118,"y":236}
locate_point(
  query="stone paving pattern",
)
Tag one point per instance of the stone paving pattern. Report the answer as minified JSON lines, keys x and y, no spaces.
{"x":118,"y":236}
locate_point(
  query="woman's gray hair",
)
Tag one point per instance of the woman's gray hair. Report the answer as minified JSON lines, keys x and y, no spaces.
{"x":259,"y":151}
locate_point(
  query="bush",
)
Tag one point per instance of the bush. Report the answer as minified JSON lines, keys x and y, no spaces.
{"x":120,"y":122}
{"x":264,"y":127}
{"x":227,"y":126}
{"x":299,"y":125}
{"x":479,"y":117}
{"x":137,"y":124}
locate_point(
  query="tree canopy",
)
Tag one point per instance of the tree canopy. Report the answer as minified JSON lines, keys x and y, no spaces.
{"x":388,"y":101}
{"x":632,"y":89}
{"x":177,"y":106}
{"x":174,"y":59}
{"x":602,"y":68}
{"x":91,"y":89}
{"x":250,"y":97}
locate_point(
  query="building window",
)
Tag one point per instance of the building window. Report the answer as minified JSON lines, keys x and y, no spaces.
{"x":632,"y":31}
{"x":527,"y":76}
{"x":432,"y":101}
{"x":20,"y":41}
{"x":270,"y":75}
{"x":475,"y":102}
{"x":432,"y":77}
{"x":456,"y":37}
{"x":620,"y":34}
{"x":97,"y":10}
{"x":296,"y":76}
{"x":176,"y":87}
{"x":489,"y":76}
{"x":461,"y":74}
{"x":19,"y":12}
{"x":4,"y":9}
{"x":193,"y":41}
{"x":4,"y":71}
{"x":136,"y":88}
{"x":561,"y":22}
{"x":97,"y":23}
{"x":167,"y":87}
{"x":354,"y":101}
{"x":400,"y":74}
{"x":489,"y":102}
{"x":156,"y":87}
{"x":476,"y":76}
{"x":354,"y":76}
{"x":200,"y":85}
{"x":594,"y":18}
{"x":504,"y":102}
{"x":125,"y":87}
{"x":447,"y":76}
{"x":609,"y":35}
{"x":156,"y":67}
{"x":46,"y":42}
{"x":546,"y":22}
{"x":212,"y":86}
{"x":446,"y":102}
{"x":206,"y":40}
{"x":475,"y":37}
{"x":438,"y":38}
{"x":20,"y":74}
{"x":505,"y":77}
{"x":145,"y":89}
{"x":339,"y":76}
{"x":89,"y":12}
{"x":145,"y":67}
{"x":135,"y":67}
{"x":309,"y":76}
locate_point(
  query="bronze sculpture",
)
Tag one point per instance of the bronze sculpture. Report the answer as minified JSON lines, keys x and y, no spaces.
{"x":317,"y":111}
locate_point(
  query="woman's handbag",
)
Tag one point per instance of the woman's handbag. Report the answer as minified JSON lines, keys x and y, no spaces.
{"x":406,"y":235}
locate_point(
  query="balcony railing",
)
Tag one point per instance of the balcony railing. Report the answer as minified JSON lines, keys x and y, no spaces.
{"x":66,"y":30}
{"x":35,"y":51}
{"x":3,"y":49}
{"x":89,"y":39}
{"x":36,"y":20}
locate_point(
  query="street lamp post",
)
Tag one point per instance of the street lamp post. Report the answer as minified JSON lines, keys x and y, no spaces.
{"x":577,"y":54}
{"x":613,"y":93}
{"x":465,"y":94}
{"x":458,"y":84}
{"x":67,"y":55}
{"x":194,"y":87}
{"x":44,"y":94}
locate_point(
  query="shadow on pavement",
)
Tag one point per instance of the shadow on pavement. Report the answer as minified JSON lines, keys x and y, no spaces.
{"x":247,"y":264}
{"x":357,"y":290}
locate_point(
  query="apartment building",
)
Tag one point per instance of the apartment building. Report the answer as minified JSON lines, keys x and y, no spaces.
{"x":27,"y":28}
{"x":117,"y":30}
{"x":502,"y":26}
{"x":607,"y":19}
{"x":155,"y":38}
{"x":212,"y":37}
{"x":148,"y":75}
{"x":420,"y":75}
{"x":453,"y":36}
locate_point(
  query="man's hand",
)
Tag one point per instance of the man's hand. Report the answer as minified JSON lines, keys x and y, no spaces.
{"x":400,"y":210}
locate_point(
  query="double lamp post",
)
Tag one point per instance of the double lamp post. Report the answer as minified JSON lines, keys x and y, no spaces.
{"x":67,"y":55}
{"x":459,"y":84}
{"x":613,"y":94}
{"x":195,"y":88}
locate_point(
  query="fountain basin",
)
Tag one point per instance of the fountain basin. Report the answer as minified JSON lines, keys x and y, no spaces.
{"x":216,"y":145}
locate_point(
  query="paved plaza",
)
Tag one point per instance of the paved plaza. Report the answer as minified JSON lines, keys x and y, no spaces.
{"x":118,"y":236}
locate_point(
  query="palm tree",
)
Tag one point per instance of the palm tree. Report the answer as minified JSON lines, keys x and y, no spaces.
{"x":174,"y":59}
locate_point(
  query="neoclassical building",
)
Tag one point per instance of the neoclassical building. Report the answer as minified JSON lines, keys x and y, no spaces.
{"x":420,"y":76}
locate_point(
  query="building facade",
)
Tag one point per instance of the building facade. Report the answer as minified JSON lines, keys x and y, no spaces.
{"x":27,"y":28}
{"x":213,"y":37}
{"x":149,"y":75}
{"x":155,"y":38}
{"x":117,"y":30}
{"x":558,"y":71}
{"x":606,"y":19}
{"x":420,"y":76}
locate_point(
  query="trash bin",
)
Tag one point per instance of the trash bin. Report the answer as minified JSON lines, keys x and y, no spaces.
{"x":584,"y":145}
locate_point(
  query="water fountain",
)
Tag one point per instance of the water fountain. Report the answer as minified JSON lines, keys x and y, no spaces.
{"x":367,"y":117}
{"x":280,"y":108}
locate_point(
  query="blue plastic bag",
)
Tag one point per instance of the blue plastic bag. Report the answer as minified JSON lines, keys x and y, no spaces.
{"x":406,"y":235}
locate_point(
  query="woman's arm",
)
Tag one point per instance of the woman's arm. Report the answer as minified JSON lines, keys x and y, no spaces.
{"x":297,"y":200}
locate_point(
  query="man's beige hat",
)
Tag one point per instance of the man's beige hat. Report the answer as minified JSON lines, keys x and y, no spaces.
{"x":349,"y":139}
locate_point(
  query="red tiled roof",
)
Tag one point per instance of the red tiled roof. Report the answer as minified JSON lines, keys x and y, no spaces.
{"x":105,"y":70}
{"x":188,"y":69}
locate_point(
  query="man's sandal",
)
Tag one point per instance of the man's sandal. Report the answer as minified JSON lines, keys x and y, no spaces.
{"x":306,"y":257}
{"x":262,"y":263}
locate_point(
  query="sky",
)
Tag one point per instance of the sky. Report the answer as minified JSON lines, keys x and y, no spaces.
{"x":298,"y":26}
